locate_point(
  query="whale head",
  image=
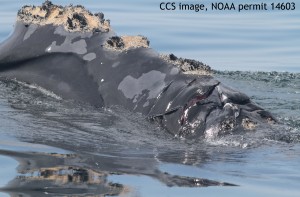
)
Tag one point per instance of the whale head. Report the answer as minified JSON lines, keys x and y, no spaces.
{"x":77,"y":56}
{"x":207,"y":107}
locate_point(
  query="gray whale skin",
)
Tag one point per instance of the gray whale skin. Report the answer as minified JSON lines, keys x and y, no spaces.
{"x":77,"y":65}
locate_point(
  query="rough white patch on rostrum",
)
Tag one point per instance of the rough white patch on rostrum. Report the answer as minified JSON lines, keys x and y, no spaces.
{"x":66,"y":16}
{"x":125,"y":43}
{"x":212,"y":132}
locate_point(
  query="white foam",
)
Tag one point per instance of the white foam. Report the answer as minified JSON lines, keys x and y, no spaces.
{"x":40,"y":89}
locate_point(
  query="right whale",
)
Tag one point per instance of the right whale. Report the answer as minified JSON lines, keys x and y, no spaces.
{"x":76,"y":55}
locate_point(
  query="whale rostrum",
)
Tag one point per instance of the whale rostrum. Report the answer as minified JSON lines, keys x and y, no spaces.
{"x":77,"y":55}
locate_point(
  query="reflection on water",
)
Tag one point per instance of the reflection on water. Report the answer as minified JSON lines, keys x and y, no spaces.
{"x":52,"y":174}
{"x":77,"y":175}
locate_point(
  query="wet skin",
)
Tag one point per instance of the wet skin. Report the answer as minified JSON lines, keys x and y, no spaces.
{"x":77,"y":66}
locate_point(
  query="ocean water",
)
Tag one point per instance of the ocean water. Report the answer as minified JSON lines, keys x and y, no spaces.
{"x":51,"y":147}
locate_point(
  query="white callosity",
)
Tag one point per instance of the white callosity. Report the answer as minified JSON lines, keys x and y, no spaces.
{"x":72,"y":18}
